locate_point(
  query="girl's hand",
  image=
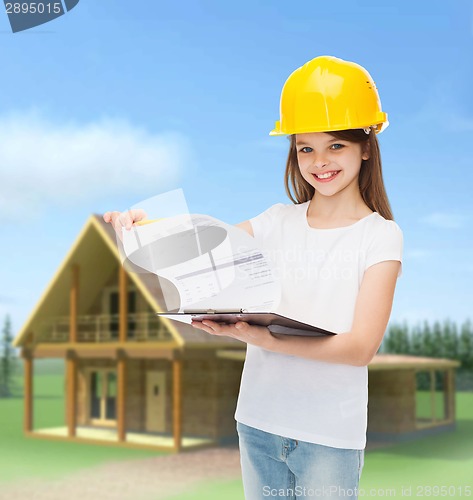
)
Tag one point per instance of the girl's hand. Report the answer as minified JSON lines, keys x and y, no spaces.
{"x":124,"y":219}
{"x":250,"y":334}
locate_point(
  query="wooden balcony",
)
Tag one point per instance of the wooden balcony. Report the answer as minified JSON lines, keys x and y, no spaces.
{"x":100,"y":328}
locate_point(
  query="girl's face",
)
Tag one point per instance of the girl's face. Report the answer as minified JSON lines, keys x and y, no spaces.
{"x":319,"y":153}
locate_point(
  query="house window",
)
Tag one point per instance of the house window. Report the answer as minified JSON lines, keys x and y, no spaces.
{"x":432,"y":397}
{"x":103,"y":396}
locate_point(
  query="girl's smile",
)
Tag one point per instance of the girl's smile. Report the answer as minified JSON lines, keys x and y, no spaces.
{"x":326,"y":176}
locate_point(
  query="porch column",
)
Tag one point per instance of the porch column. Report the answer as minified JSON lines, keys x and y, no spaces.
{"x":28,"y":387}
{"x":71,"y":393}
{"x":123,"y":304}
{"x":121,"y":395}
{"x":177,"y":403}
{"x":432,"y":394}
{"x":73,"y":303}
{"x":449,"y":389}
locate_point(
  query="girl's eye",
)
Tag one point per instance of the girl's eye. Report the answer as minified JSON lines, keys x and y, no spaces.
{"x":335,"y":147}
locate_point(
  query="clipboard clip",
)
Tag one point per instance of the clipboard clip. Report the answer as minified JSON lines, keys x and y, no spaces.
{"x":214,"y":311}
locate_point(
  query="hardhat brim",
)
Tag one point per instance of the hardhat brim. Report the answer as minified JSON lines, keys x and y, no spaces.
{"x":380,"y":127}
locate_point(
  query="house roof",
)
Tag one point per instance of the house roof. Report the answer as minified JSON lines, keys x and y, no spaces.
{"x":379,"y":362}
{"x":55,"y":298}
{"x":405,"y":362}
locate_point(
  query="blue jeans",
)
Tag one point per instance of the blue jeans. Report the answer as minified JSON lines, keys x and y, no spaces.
{"x":278,"y":467}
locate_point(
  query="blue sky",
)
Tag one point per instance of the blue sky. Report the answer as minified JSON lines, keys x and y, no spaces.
{"x":116,"y":102}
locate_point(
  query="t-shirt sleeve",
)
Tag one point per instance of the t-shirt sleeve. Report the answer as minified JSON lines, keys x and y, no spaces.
{"x":386,"y":245}
{"x":263,"y":222}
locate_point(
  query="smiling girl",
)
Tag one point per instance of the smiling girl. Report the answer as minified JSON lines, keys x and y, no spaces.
{"x":302,"y":408}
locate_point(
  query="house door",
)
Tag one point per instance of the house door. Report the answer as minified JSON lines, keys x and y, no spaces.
{"x":156,"y":401}
{"x":102,"y":397}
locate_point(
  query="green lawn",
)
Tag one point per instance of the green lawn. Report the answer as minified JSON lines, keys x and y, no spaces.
{"x":404,"y":470}
{"x":444,"y":460}
{"x":22,"y":457}
{"x":423,"y":405}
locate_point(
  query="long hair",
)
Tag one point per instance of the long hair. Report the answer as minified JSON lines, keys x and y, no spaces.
{"x":370,"y":179}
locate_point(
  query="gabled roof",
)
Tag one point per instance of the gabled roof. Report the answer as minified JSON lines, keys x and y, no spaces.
{"x":94,"y":235}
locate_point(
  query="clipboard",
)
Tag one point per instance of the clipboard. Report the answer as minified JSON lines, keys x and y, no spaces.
{"x":275,"y":323}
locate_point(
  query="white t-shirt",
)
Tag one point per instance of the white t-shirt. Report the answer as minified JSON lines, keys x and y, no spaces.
{"x":320,"y":272}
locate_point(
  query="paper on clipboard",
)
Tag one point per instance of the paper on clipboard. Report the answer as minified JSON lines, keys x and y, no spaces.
{"x":201,"y":262}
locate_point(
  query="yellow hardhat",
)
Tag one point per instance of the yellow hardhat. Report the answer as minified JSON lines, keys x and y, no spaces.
{"x":326,"y":94}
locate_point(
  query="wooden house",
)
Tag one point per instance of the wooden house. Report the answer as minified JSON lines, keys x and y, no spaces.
{"x":137,"y":380}
{"x":131,"y":378}
{"x":408,"y":396}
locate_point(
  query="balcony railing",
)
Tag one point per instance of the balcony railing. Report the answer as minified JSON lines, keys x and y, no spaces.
{"x":141,"y":327}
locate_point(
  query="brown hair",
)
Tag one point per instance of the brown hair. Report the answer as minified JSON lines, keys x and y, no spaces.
{"x":370,"y":179}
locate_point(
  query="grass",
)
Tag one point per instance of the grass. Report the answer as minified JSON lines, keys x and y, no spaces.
{"x":415,"y":469}
{"x":423,"y":405}
{"x":443,"y":460}
{"x":22,"y":457}
{"x":229,"y":490}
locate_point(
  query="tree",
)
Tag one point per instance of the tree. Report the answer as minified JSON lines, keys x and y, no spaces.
{"x":465,"y":347}
{"x":437,"y":344}
{"x":7,"y":360}
{"x":416,"y":341}
{"x":396,"y":339}
{"x":404,"y":339}
{"x":450,"y":340}
{"x":427,"y":341}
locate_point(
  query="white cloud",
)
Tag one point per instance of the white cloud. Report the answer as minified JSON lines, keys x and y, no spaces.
{"x":445,"y":220}
{"x":44,"y":163}
{"x":459,"y":123}
{"x":443,"y":104}
{"x":417,"y":253}
{"x":6,"y":299}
